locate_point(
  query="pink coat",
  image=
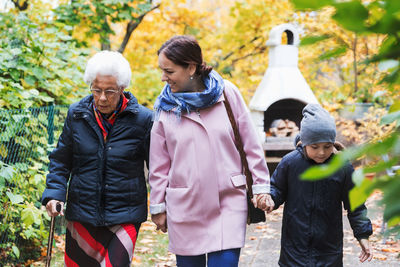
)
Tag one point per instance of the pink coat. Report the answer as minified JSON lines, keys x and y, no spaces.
{"x":196,"y":176}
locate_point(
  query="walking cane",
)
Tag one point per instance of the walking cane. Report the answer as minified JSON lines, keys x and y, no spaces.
{"x":51,"y":236}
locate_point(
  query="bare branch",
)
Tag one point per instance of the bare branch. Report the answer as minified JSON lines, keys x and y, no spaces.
{"x":256,"y":52}
{"x":240,"y":48}
{"x":132,"y":25}
{"x":21,"y":7}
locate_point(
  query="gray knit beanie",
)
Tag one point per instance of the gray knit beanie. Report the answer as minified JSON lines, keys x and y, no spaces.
{"x":317,"y":126}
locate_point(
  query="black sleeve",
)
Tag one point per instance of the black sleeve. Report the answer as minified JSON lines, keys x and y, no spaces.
{"x":146,"y":142}
{"x":60,"y":165}
{"x":279,"y":183}
{"x":359,"y":222}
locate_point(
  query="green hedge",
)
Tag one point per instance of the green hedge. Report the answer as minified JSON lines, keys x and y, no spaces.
{"x":26,"y":138}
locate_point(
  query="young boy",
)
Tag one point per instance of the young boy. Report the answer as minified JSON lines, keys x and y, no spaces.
{"x":312,"y":228}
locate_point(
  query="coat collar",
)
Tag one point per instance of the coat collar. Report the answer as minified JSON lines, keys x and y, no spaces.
{"x":85,"y":104}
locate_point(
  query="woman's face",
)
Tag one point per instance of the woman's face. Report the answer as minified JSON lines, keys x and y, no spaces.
{"x":106,"y":93}
{"x":176,"y":76}
{"x":319,"y":152}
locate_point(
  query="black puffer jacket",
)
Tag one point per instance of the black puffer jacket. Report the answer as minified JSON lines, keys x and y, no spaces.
{"x":106,"y":180}
{"x":312,"y":228}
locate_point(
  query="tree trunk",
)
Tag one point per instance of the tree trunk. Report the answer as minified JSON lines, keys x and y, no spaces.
{"x":105,"y":39}
{"x":355,"y":63}
{"x":105,"y":46}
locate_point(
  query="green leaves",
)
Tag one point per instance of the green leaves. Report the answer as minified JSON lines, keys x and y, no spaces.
{"x":387,"y":22}
{"x":24,"y":146}
{"x":96,"y":17}
{"x":309,"y":40}
{"x":321,"y":171}
{"x":31,"y":60}
{"x":333,"y":53}
{"x":380,"y":17}
{"x":15,"y":251}
{"x":31,"y":215}
{"x":359,"y":194}
{"x":391,"y":189}
{"x":391,"y":117}
{"x":351,"y":15}
{"x":15,"y":199}
{"x":6,"y":172}
{"x":324,"y":170}
{"x":311,"y":4}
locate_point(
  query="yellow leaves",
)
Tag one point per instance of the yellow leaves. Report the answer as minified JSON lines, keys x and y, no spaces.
{"x":3,"y":151}
{"x":136,"y":261}
{"x":367,"y":129}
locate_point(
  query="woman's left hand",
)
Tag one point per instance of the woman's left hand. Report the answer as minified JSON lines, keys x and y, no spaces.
{"x":264,"y":202}
{"x":160,"y":220}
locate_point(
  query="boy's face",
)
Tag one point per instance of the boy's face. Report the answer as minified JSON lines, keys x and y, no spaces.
{"x":319,"y":152}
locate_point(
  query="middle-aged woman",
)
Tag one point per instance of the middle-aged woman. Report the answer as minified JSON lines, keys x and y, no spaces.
{"x":198,"y":191}
{"x":98,"y":168}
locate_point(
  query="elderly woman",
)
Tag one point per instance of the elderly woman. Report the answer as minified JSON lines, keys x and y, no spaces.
{"x":98,"y":167}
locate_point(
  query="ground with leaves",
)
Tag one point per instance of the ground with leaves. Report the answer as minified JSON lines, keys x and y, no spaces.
{"x":262,"y":244}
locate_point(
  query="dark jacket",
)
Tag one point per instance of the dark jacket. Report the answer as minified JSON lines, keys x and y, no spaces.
{"x":312,"y":226}
{"x":106,"y":182}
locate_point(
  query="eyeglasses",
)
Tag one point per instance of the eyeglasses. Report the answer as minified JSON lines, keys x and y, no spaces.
{"x":108,"y":92}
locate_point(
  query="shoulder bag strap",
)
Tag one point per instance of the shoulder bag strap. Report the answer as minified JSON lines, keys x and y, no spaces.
{"x":239,"y":146}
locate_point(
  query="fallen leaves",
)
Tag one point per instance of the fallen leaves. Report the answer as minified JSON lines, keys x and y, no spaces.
{"x":381,"y":257}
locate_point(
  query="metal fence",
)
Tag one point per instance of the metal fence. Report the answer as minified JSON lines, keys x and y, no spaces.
{"x":27,"y":136}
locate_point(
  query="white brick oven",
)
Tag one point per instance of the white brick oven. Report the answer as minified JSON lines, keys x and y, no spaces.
{"x":283,"y":91}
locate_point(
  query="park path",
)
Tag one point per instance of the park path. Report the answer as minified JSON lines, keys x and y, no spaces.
{"x":263,"y":242}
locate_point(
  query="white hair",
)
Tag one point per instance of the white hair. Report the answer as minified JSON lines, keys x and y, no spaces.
{"x":108,"y":63}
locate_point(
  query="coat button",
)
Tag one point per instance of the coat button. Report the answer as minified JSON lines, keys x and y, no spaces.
{"x":109,"y":148}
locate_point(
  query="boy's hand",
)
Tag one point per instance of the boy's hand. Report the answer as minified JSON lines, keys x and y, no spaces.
{"x":366,"y":251}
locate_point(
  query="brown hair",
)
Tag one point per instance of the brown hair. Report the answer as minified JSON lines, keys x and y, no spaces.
{"x":184,"y":50}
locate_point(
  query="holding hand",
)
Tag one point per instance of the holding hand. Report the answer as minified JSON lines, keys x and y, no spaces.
{"x":366,"y":251}
{"x":264,"y":202}
{"x":160,"y":220}
{"x":51,"y":208}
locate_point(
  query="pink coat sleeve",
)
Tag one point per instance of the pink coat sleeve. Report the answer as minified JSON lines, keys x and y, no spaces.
{"x":252,"y":146}
{"x":160,"y":164}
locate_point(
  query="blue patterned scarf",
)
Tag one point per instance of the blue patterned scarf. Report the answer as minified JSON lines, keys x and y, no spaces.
{"x":187,"y":102}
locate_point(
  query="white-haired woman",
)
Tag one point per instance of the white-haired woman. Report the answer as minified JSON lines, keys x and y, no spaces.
{"x":98,"y":168}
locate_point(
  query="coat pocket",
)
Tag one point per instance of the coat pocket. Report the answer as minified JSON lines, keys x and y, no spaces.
{"x":238,"y":180}
{"x":180,"y":204}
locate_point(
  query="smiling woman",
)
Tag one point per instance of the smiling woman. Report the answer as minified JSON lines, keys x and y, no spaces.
{"x":198,"y":190}
{"x":179,"y":78}
{"x":99,"y":165}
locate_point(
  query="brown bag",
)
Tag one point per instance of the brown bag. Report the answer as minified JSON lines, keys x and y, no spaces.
{"x":254,"y":215}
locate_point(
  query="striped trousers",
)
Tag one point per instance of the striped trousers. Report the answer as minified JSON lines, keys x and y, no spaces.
{"x":88,"y":246}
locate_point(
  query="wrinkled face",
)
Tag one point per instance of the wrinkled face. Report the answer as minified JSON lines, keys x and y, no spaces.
{"x":178,"y":77}
{"x":319,"y":152}
{"x":106,"y":93}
